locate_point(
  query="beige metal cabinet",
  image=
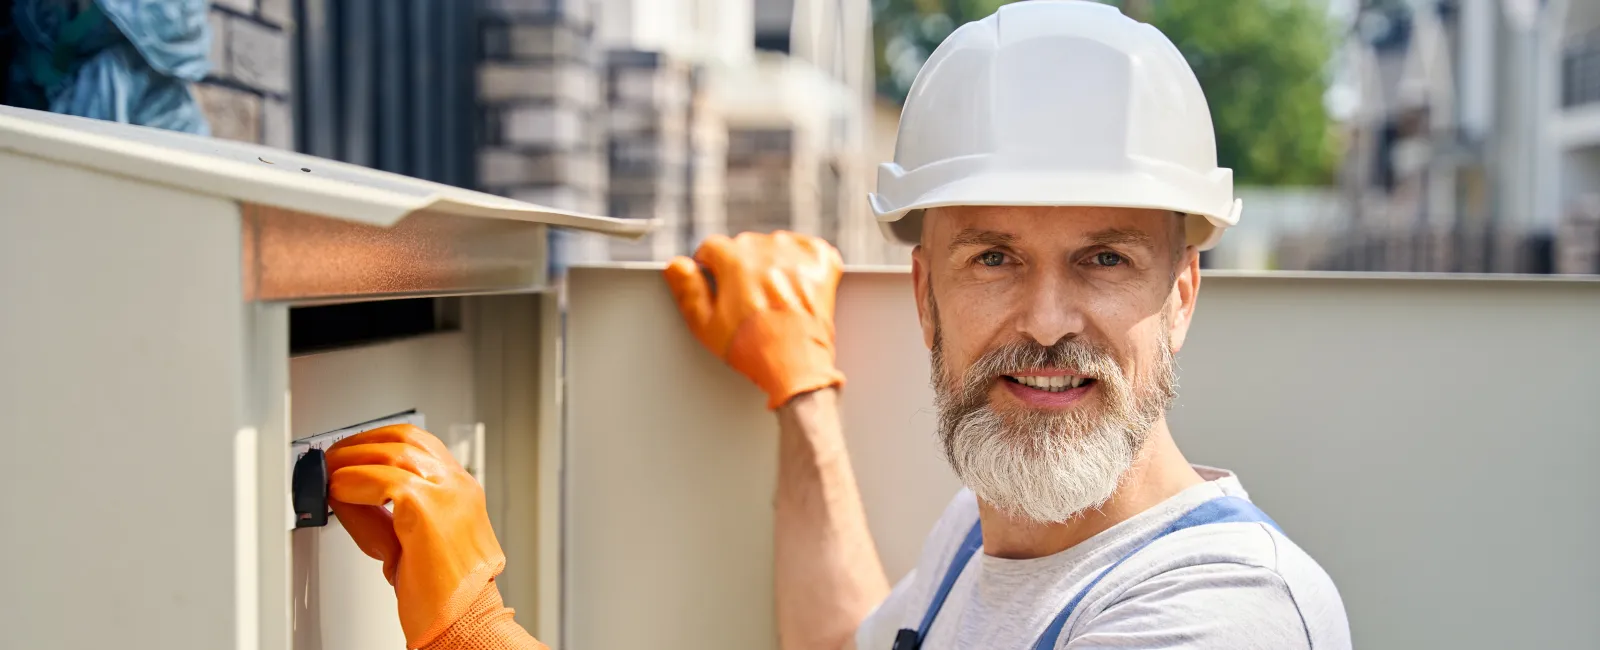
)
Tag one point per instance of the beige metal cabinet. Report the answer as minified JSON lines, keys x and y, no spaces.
{"x":166,"y":339}
{"x":1428,"y":439}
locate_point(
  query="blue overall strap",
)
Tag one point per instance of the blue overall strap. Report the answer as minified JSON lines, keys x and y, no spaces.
{"x":1216,"y":511}
{"x":912,"y":639}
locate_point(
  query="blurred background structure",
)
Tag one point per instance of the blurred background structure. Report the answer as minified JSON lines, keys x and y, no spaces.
{"x":1365,"y":135}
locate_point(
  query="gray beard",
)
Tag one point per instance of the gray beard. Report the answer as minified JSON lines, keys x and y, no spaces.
{"x":1046,"y":466}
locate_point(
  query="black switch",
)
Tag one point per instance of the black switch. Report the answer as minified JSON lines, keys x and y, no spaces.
{"x":907,"y":640}
{"x":309,"y":486}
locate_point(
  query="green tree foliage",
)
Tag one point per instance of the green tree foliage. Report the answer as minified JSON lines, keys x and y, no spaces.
{"x":1261,"y":63}
{"x":907,"y":31}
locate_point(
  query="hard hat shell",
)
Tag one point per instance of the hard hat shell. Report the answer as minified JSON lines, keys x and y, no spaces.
{"x":1056,"y":103}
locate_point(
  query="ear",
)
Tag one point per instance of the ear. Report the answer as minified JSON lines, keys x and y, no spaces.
{"x":1185,"y":292}
{"x":920,"y":283}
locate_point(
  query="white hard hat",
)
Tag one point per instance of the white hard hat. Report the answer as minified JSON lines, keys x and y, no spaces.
{"x":1056,"y":103}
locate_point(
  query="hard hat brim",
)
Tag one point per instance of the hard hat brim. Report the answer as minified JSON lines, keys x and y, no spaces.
{"x":1207,"y":218}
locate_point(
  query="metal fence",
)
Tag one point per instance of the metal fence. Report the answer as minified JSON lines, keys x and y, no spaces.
{"x":389,"y":84}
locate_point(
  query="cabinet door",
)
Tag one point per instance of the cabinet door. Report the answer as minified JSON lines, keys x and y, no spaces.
{"x":1398,"y":429}
{"x":671,"y":461}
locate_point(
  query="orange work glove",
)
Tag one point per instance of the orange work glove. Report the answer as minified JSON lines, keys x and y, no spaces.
{"x":437,"y":548}
{"x":768,"y":310}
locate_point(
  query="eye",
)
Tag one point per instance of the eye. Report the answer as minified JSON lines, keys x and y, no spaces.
{"x":992,"y":258}
{"x":1107,"y":258}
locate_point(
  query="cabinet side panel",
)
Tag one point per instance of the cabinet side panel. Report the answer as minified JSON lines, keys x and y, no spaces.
{"x":121,"y":393}
{"x":1400,"y":430}
{"x":672,"y":462}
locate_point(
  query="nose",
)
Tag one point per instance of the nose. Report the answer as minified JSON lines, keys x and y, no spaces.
{"x":1050,"y":309}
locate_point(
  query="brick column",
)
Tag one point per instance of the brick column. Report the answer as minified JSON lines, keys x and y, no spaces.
{"x":760,"y":179}
{"x":247,"y":95}
{"x":649,"y":150}
{"x":540,"y":89}
{"x":776,"y":179}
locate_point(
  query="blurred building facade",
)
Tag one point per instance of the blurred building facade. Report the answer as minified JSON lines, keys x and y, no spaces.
{"x":1473,"y":140}
{"x":1471,"y":127}
{"x":708,"y":116}
{"x":1577,"y":138}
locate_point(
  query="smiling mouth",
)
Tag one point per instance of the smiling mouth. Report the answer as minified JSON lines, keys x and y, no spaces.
{"x":1051,"y":384}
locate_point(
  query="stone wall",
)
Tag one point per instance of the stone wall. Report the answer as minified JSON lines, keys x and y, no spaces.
{"x":647,"y":104}
{"x":760,"y":179}
{"x":779,"y":179}
{"x":540,"y":91}
{"x":248,"y":94}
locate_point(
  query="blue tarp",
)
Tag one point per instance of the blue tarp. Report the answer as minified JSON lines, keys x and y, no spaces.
{"x":119,"y":60}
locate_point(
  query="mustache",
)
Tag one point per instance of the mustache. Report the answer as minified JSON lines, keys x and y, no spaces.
{"x":1076,"y":354}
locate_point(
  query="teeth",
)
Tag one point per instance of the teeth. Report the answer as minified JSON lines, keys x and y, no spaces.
{"x":1050,"y":384}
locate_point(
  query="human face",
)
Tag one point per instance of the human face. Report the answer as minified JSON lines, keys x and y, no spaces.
{"x":1053,"y":332}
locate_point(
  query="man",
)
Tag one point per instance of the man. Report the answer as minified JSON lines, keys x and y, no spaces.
{"x":1057,"y":171}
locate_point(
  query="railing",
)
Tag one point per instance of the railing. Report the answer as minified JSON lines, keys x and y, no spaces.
{"x":1580,"y":70}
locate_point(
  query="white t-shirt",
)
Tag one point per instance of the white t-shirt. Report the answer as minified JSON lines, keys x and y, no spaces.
{"x":1215,"y":586}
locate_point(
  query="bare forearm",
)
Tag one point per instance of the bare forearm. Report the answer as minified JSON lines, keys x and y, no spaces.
{"x":828,"y":573}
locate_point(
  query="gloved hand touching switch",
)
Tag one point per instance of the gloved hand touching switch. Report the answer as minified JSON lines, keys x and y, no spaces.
{"x":437,"y":547}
